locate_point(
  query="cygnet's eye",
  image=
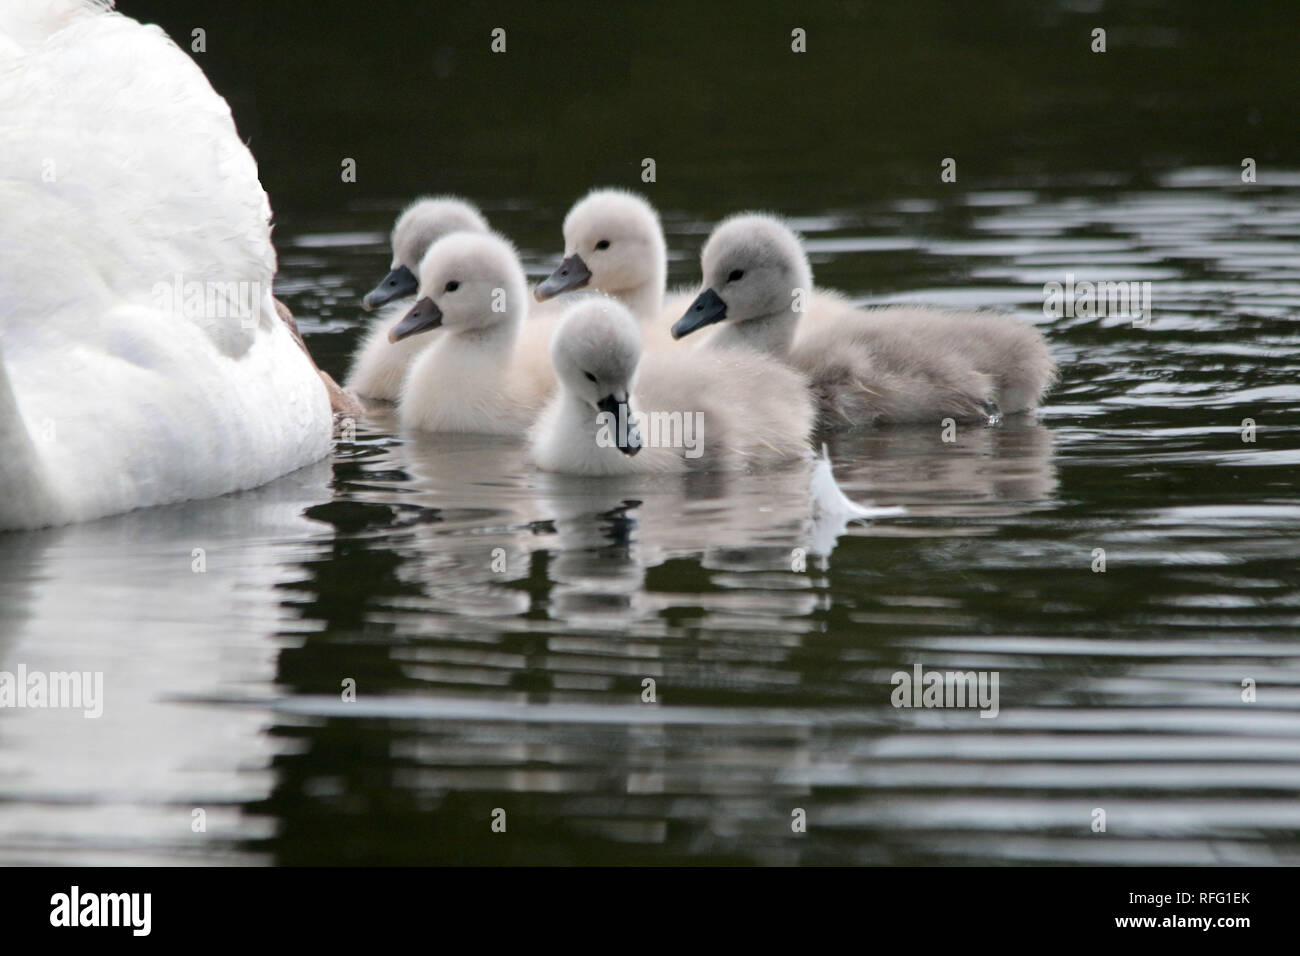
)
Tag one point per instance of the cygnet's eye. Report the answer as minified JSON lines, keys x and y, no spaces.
{"x":591,"y":378}
{"x":736,"y":275}
{"x":451,"y":286}
{"x":603,"y":244}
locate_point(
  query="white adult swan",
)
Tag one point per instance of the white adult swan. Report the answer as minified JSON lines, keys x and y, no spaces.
{"x":378,"y":365}
{"x":141,"y":357}
{"x":698,"y":409}
{"x":876,"y":366}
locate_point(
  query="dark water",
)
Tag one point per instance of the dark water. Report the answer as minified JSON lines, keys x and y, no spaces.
{"x":499,"y":624}
{"x":521,"y":688}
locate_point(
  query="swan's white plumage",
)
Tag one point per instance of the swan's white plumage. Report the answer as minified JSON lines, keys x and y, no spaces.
{"x":754,"y":410}
{"x":378,"y":366}
{"x":485,"y":368}
{"x":123,"y":171}
{"x":875,"y":366}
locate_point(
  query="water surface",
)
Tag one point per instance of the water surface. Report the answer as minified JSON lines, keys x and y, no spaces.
{"x":500,"y":624}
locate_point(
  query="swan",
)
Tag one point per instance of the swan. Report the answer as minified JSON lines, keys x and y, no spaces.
{"x":485,"y":368}
{"x":379,"y":366}
{"x":704,"y":409}
{"x":614,"y":243}
{"x":141,"y":357}
{"x":889,"y":365}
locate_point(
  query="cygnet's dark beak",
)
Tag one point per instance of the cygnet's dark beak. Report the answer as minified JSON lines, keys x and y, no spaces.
{"x":572,"y":273}
{"x":626,"y":435}
{"x":398,"y":283}
{"x":424,"y":315}
{"x":707,"y":308}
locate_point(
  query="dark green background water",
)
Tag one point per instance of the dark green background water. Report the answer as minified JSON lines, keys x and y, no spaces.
{"x":587,"y":89}
{"x":521,"y":689}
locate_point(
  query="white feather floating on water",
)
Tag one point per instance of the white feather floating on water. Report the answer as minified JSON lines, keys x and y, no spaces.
{"x":832,"y":510}
{"x":828,"y":500}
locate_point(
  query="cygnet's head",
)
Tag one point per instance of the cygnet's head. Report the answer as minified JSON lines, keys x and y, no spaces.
{"x":613,"y":243}
{"x":420,"y":225}
{"x":595,"y":350}
{"x":753,"y":265}
{"x":468,"y":282}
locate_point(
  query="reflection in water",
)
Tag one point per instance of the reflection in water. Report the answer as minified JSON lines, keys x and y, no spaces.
{"x":501,"y":626}
{"x":121,"y":596}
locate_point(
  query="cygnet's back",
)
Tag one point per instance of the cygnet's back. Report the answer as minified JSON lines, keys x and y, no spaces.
{"x":916,"y":364}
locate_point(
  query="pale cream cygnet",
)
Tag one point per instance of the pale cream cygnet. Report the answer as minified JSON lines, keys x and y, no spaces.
{"x":617,"y":411}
